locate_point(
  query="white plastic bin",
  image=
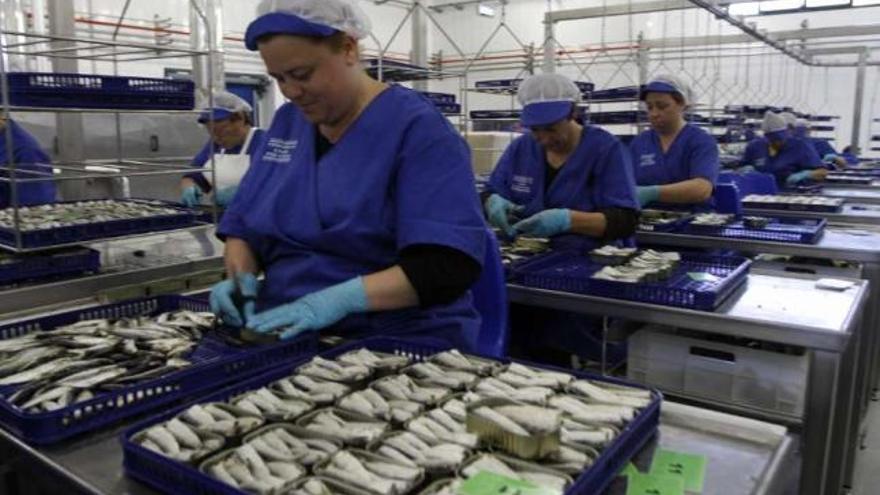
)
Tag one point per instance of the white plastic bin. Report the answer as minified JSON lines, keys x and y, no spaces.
{"x":762,"y":379}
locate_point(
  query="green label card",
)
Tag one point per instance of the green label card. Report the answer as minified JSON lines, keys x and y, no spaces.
{"x":486,"y":483}
{"x":691,"y":467}
{"x":654,"y":484}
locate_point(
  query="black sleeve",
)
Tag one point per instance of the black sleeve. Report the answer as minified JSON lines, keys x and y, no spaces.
{"x":440,"y":274}
{"x":620,"y":222}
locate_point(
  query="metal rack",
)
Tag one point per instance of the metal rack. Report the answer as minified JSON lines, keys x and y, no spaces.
{"x":71,"y":48}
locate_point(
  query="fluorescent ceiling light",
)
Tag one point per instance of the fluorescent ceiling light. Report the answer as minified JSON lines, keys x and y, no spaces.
{"x":826,"y":3}
{"x":774,"y":5}
{"x":860,"y":3}
{"x":745,"y":8}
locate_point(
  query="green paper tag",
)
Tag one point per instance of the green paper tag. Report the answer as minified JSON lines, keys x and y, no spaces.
{"x":629,"y":469}
{"x":703,"y":277}
{"x":691,"y":467}
{"x":486,"y":483}
{"x":652,"y":484}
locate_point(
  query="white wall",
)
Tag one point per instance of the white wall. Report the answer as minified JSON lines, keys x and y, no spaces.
{"x":823,"y":92}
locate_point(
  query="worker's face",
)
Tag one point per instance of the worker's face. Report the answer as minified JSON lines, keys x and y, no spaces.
{"x":320,"y":80}
{"x":664,"y":112}
{"x":555,"y":137}
{"x":228,"y":133}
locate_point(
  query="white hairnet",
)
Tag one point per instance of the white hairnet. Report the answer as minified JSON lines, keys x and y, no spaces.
{"x":230,"y":102}
{"x":546,"y":87}
{"x":341,"y":15}
{"x":789,"y":118}
{"x":773,"y":122}
{"x":801,"y":123}
{"x":677,"y":83}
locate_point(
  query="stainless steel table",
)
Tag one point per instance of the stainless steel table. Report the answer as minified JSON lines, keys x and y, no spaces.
{"x":855,"y":244}
{"x":744,"y":456}
{"x":786,"y":310}
{"x":852,"y":213}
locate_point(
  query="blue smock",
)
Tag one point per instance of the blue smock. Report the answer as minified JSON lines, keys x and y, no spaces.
{"x":693,"y":154}
{"x":597,"y":175}
{"x":399,"y":176}
{"x":822,"y":146}
{"x":28,"y":158}
{"x":211,"y":148}
{"x":794,"y":156}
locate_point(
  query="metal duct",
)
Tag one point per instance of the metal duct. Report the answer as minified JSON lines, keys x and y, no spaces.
{"x":206,"y":34}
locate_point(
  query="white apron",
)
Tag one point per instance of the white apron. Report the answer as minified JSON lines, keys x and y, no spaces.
{"x":229,"y":169}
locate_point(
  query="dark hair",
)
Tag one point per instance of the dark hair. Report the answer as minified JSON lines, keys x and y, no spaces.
{"x":335,"y":41}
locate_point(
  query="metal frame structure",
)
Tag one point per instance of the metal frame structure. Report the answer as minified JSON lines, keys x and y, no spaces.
{"x":65,"y":50}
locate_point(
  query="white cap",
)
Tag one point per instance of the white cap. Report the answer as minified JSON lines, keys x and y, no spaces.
{"x":789,"y":118}
{"x":546,"y":98}
{"x":318,"y":18}
{"x":801,"y":123}
{"x":773,"y":122}
{"x":667,"y":83}
{"x":225,"y":104}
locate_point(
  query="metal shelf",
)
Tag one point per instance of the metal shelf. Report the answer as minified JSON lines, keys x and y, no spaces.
{"x":196,"y":227}
{"x":95,"y":49}
{"x":13,"y":108}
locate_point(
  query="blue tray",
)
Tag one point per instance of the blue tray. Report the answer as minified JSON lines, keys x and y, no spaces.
{"x":792,"y":230}
{"x":511,"y":85}
{"x":858,"y":180}
{"x":571,"y":272}
{"x":177,"y":478}
{"x":669,"y":227}
{"x":100,"y":230}
{"x":396,"y":71}
{"x":38,"y":89}
{"x":439,"y":97}
{"x":448,"y":108}
{"x":622,"y":117}
{"x":215,"y":363}
{"x":622,"y":93}
{"x":20,"y":268}
{"x":495,"y":114}
{"x":758,"y":205}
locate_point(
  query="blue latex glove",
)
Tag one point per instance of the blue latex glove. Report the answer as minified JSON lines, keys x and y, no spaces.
{"x":830,"y":157}
{"x":225,"y":196}
{"x":546,"y":223}
{"x":745,"y":170}
{"x":648,"y":194}
{"x":314,"y":311}
{"x":192,"y":196}
{"x":798,"y":177}
{"x":498,"y":210}
{"x":223,"y":305}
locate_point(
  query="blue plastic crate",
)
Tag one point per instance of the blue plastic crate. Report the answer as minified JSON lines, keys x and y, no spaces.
{"x":214,"y":363}
{"x":791,"y":230}
{"x":620,"y":117}
{"x":857,"y":180}
{"x":686,"y":217}
{"x":41,"y":266}
{"x":99,"y":230}
{"x":511,"y":85}
{"x":176,"y":478}
{"x":396,"y":71}
{"x":572,"y":272}
{"x":37,"y":89}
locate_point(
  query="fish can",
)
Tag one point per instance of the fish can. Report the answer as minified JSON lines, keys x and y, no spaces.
{"x":450,"y":485}
{"x":238,"y":413}
{"x":304,"y":421}
{"x":534,"y":446}
{"x":335,"y":486}
{"x":517,"y":465}
{"x":298,"y":432}
{"x":205,"y":467}
{"x":139,"y":437}
{"x":320,"y":469}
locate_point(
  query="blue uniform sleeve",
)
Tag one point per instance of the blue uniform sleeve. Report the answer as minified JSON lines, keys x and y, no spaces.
{"x":499,"y":181}
{"x":31,"y":162}
{"x":809,"y":158}
{"x":435,"y":196}
{"x":199,"y":161}
{"x":750,"y":155}
{"x":823,"y":148}
{"x":703,"y":158}
{"x":615,"y":180}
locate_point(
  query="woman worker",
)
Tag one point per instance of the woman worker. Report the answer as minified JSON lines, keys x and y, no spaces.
{"x":674,"y":161}
{"x":790,"y":160}
{"x":233,"y":139}
{"x":563,"y":180}
{"x":30,"y":161}
{"x":822,"y":146}
{"x":359,"y":208}
{"x":567,"y":181}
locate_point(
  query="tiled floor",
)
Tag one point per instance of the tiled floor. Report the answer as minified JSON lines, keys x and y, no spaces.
{"x":866,"y":480}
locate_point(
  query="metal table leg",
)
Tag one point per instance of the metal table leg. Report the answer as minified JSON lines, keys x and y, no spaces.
{"x":818,"y":423}
{"x":853,"y":374}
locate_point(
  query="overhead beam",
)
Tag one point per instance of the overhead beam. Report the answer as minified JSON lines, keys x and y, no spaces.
{"x":844,"y":50}
{"x":615,"y":10}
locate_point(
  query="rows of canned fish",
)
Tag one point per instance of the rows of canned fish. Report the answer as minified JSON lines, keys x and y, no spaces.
{"x":388,"y":424}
